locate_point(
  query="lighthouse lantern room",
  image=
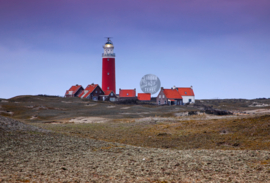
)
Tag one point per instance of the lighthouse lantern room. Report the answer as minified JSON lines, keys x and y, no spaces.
{"x":108,"y":67}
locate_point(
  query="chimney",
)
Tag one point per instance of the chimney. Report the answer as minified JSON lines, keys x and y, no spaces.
{"x":135,"y":89}
{"x":161,"y":88}
{"x":173,"y":87}
{"x":92,"y":84}
{"x":191,"y":87}
{"x":76,"y":84}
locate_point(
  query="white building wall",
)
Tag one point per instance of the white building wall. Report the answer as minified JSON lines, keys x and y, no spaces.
{"x":186,"y":99}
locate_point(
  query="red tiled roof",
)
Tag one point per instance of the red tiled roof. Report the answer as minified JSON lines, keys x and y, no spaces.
{"x":88,"y":90}
{"x":172,"y":94}
{"x":74,"y":89}
{"x":144,"y":96}
{"x":81,"y":94}
{"x":186,"y":91}
{"x":107,"y":92}
{"x":127,"y":93}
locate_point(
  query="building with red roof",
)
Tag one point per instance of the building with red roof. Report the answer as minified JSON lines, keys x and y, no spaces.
{"x":187,"y":94}
{"x":144,"y":96}
{"x":176,"y":96}
{"x":93,"y":92}
{"x":109,"y":95}
{"x":169,"y":97}
{"x":74,"y":91}
{"x":127,"y":94}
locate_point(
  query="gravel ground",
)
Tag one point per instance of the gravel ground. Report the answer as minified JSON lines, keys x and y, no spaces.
{"x":8,"y":124}
{"x":32,"y":156}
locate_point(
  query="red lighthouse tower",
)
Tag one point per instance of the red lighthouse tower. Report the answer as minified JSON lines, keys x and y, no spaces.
{"x":108,"y":67}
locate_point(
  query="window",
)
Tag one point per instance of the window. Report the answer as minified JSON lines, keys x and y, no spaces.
{"x":185,"y":92}
{"x":108,"y":73}
{"x":189,"y":100}
{"x":163,"y":96}
{"x":165,"y":102}
{"x":159,"y":96}
{"x":159,"y":102}
{"x":127,"y":93}
{"x":96,"y":91}
{"x":111,"y":94}
{"x":99,"y":91}
{"x":108,"y":87}
{"x":108,"y":59}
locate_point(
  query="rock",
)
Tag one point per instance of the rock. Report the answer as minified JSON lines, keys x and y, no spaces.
{"x":162,"y":134}
{"x":236,"y":144}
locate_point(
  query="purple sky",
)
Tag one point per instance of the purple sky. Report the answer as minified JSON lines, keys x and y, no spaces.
{"x":221,"y":48}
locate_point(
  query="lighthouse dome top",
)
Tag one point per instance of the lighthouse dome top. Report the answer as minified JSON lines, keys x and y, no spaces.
{"x":108,"y":49}
{"x":109,"y":43}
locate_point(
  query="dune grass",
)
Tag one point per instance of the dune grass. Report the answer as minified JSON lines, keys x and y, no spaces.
{"x":181,"y":133}
{"x":247,"y":133}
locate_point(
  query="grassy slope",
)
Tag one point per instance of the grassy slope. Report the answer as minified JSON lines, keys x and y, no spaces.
{"x":247,"y":133}
{"x":55,"y":108}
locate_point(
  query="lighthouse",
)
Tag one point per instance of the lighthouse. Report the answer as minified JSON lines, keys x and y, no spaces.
{"x":108,"y":67}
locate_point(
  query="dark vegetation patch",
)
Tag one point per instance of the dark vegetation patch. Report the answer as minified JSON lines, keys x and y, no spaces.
{"x":192,"y":113}
{"x":231,"y":104}
{"x":131,"y":101}
{"x":218,"y":112}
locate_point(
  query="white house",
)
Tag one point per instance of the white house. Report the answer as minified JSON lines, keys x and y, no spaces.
{"x":187,"y":94}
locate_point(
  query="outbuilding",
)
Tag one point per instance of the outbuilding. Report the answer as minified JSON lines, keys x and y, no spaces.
{"x":187,"y":94}
{"x":169,"y":97}
{"x":93,"y":92}
{"x":127,"y":94}
{"x":74,"y":91}
{"x":146,"y":97}
{"x":109,"y":95}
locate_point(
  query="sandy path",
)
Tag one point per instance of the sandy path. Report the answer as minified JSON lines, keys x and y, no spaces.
{"x":258,"y":111}
{"x":88,"y":120}
{"x":111,"y":106}
{"x":125,"y":108}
